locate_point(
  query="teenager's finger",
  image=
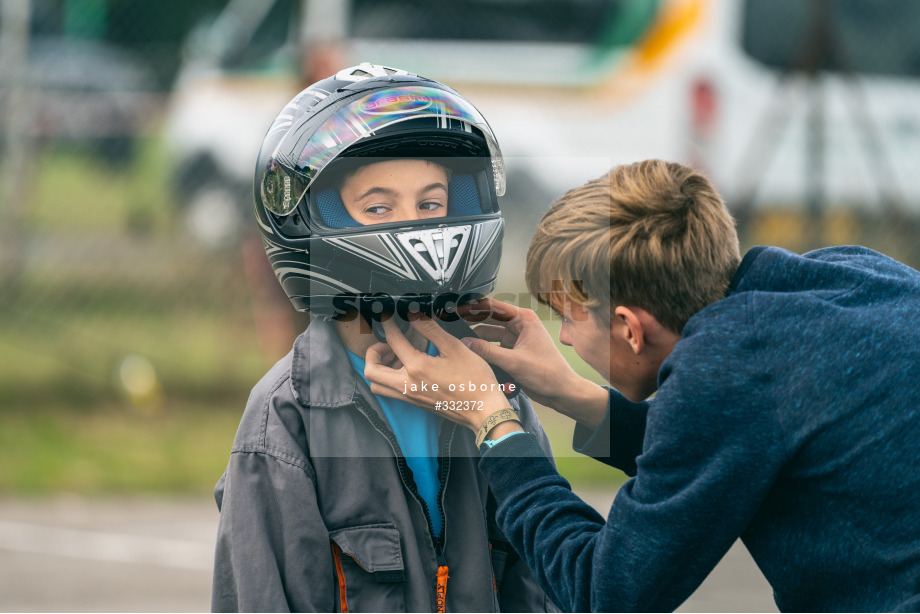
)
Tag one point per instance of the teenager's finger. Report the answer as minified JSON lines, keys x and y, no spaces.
{"x":383,"y":354}
{"x":441,"y":339}
{"x":507,"y":359}
{"x":490,"y":332}
{"x":386,"y":377}
{"x":404,"y":350}
{"x":514,"y":326}
{"x":488,"y":308}
{"x":377,"y":372}
{"x":504,"y":311}
{"x":373,"y":364}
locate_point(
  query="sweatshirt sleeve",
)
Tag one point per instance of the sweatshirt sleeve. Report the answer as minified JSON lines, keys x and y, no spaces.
{"x":273,"y":551}
{"x":712,"y":451}
{"x":617,"y":440}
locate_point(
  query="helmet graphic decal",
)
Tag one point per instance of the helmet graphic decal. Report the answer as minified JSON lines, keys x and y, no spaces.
{"x":366,"y":70}
{"x":437,"y":250}
{"x":484,"y":238}
{"x":283,"y":272}
{"x":377,"y":249}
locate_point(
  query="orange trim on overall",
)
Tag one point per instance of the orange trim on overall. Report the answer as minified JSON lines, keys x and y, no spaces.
{"x":442,"y":588}
{"x":340,"y":576}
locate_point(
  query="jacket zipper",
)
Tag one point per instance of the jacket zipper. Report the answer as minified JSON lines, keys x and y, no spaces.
{"x":445,"y":440}
{"x":408,"y":481}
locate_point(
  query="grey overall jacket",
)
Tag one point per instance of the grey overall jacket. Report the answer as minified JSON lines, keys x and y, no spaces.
{"x":319,"y":510}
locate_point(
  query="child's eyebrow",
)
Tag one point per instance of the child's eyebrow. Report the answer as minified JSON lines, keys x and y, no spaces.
{"x":377,"y":190}
{"x":435,"y":186}
{"x":389,"y":192}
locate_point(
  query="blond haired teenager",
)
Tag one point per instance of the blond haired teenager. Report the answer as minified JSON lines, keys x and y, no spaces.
{"x":786,"y":412}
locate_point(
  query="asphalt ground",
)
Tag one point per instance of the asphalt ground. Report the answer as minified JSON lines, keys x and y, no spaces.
{"x":70,"y":554}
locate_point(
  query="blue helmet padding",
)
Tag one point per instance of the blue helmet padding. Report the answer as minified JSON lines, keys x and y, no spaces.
{"x":332,"y":210}
{"x":462,"y":199}
{"x":462,"y":196}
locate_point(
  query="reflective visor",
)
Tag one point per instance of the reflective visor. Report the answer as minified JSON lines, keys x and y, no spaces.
{"x":365,"y":116}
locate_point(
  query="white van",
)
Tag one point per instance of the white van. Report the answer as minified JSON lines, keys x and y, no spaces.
{"x":789,"y":105}
{"x":552,"y":77}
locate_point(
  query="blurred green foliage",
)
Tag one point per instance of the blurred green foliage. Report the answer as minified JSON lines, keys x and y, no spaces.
{"x":154,"y":31}
{"x":107,"y":279}
{"x":107,"y":272}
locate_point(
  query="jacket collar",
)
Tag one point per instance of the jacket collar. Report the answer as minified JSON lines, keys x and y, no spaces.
{"x":321,"y":374}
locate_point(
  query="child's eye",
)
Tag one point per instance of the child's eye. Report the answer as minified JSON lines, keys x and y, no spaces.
{"x":377,"y":210}
{"x":430,"y":206}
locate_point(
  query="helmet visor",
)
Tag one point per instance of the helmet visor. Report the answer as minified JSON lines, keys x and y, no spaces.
{"x":365,"y":116}
{"x":403,"y":190}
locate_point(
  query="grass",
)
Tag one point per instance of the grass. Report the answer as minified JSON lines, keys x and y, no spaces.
{"x":54,"y":341}
{"x":114,"y":449}
{"x":106,"y":272}
{"x":80,"y":193}
{"x":181,"y":448}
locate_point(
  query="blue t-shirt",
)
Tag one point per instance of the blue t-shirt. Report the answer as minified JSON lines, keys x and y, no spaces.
{"x":416,"y":432}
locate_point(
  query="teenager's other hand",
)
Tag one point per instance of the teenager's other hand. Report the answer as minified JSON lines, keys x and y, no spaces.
{"x":524,"y":348}
{"x":528,"y":353}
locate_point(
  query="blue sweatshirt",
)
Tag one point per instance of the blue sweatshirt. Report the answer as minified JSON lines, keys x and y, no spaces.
{"x":787,"y":414}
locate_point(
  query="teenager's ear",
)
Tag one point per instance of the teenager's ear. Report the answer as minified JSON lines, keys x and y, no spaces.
{"x":627,"y":323}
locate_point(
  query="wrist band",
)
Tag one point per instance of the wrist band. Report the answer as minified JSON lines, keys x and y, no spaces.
{"x":491,"y":443}
{"x":502,"y":415}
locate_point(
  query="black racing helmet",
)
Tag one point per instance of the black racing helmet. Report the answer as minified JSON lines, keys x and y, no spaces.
{"x":327,"y":262}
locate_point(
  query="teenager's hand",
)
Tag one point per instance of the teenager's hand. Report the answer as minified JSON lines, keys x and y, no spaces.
{"x":525,"y":349}
{"x":527,"y":352}
{"x":426,"y":380}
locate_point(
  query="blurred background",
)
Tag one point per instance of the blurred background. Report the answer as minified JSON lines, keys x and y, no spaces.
{"x":136,"y":305}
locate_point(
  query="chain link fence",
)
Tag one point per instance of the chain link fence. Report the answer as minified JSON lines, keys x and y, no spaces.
{"x":106,"y":297}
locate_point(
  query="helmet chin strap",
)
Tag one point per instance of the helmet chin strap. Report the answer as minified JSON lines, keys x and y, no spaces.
{"x":457,"y":327}
{"x":460,"y":329}
{"x":380,"y":334}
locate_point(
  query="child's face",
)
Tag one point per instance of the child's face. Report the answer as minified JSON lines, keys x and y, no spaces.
{"x":396,"y":191}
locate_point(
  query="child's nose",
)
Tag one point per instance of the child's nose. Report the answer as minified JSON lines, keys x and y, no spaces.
{"x":407,"y":214}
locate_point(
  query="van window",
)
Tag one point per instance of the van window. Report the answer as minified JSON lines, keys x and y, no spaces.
{"x":604,"y":22}
{"x":862,"y":36}
{"x":259,"y":33}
